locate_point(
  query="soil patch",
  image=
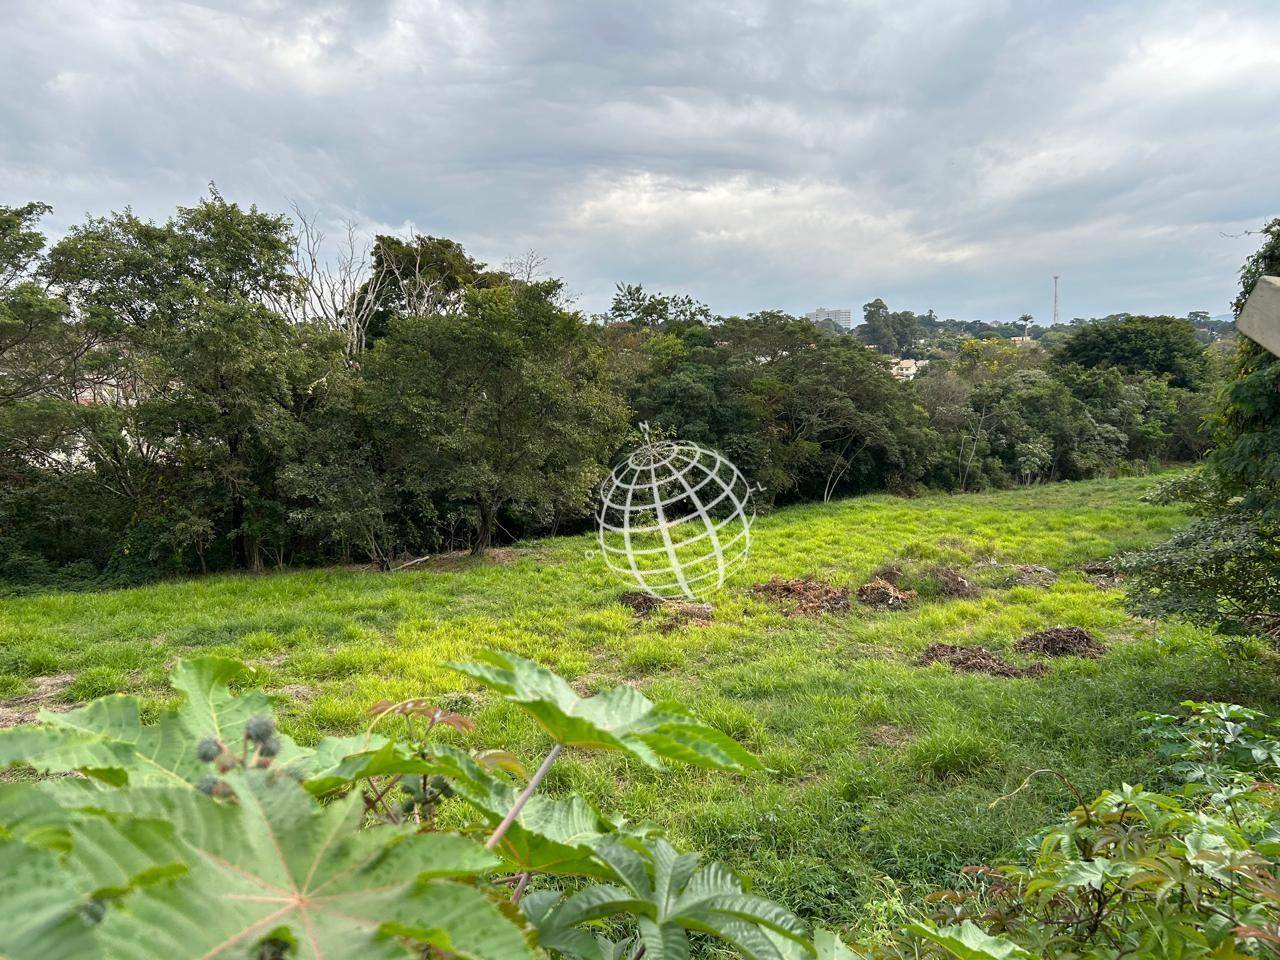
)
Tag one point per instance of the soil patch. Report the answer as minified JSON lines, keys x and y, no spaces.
{"x":24,"y":709}
{"x":805,"y":597}
{"x":881,"y":593}
{"x":889,"y":735}
{"x":976,"y":660}
{"x":669,"y":613}
{"x":1061,"y":642}
{"x":299,"y":692}
{"x":952,"y":584}
{"x":1101,"y":574}
{"x":1032,"y":575}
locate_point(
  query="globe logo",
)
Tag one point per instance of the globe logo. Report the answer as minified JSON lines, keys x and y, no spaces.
{"x":675,"y":518}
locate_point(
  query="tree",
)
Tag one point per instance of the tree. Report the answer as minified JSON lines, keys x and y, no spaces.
{"x":194,"y":382}
{"x":501,"y":406}
{"x":1161,"y":345}
{"x":631,"y":304}
{"x":892,"y":333}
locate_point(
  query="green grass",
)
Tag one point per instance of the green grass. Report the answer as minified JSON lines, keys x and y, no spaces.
{"x":884,"y":772}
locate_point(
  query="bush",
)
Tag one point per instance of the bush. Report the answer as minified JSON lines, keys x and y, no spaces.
{"x":1190,"y":872}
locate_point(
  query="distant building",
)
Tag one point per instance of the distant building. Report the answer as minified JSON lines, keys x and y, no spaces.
{"x":841,"y":318}
{"x":905,"y":369}
{"x":1022,"y":341}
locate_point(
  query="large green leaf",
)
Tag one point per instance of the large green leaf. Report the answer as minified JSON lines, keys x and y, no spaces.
{"x":338,"y":762}
{"x":969,"y":942}
{"x":107,"y":738}
{"x":44,"y":909}
{"x":618,"y":719}
{"x":548,"y":836}
{"x":670,"y":894}
{"x":274,"y":864}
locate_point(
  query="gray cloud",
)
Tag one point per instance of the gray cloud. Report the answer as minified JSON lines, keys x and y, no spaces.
{"x":759,"y":154}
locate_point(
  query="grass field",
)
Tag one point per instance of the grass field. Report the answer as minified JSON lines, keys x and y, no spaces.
{"x":884,"y":771}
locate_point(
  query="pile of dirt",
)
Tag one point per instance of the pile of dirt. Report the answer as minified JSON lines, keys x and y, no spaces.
{"x":1101,"y":574}
{"x":952,"y":584}
{"x":642,"y":604}
{"x":670,"y":613}
{"x":891,"y":573}
{"x":976,"y":660}
{"x":881,"y":593}
{"x":24,"y":709}
{"x":1061,"y":642}
{"x":1032,"y":575}
{"x":805,"y":597}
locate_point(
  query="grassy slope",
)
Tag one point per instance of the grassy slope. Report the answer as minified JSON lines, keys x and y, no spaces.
{"x":884,"y":770}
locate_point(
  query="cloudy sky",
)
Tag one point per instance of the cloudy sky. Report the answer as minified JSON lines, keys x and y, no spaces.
{"x":754,"y":154}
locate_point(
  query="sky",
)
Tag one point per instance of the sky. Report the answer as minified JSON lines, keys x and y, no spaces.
{"x":755,"y":155}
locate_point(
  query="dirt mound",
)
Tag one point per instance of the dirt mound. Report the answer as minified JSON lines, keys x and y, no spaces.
{"x":976,"y":660}
{"x":882,"y":593}
{"x":641,"y":604}
{"x":891,"y":573}
{"x":670,"y":613}
{"x":952,"y":584}
{"x":1061,"y":642}
{"x":1101,"y":574}
{"x":805,"y":597}
{"x":1031,"y":575}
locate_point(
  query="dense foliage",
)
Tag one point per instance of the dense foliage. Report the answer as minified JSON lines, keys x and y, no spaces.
{"x":210,"y":833}
{"x":211,"y":393}
{"x":396,"y":842}
{"x":1189,"y":872}
{"x":1223,"y":569}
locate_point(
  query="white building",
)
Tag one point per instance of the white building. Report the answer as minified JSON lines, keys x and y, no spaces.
{"x":841,"y":318}
{"x":906,"y":369}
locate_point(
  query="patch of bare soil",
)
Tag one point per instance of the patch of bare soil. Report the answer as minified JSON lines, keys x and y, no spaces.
{"x":889,"y":735}
{"x":1061,"y":642}
{"x":1032,"y":575}
{"x":669,"y":614}
{"x":24,"y":709}
{"x":1101,"y":574}
{"x":459,"y":559}
{"x":805,"y":597}
{"x":299,"y":692}
{"x":976,"y":660}
{"x":881,"y":593}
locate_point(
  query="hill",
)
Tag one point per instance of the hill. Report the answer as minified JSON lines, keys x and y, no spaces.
{"x":883,"y":769}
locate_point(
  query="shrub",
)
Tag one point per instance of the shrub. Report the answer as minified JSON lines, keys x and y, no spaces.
{"x":1135,"y":873}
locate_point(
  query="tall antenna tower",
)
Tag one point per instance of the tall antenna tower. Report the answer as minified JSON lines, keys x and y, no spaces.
{"x":1055,"y":299}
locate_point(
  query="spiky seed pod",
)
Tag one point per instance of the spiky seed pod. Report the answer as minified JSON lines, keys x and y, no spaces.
{"x":208,"y":784}
{"x":260,"y":729}
{"x":407,"y":805}
{"x":441,"y":786}
{"x":209,"y":749}
{"x":93,"y":911}
{"x":269,"y":747}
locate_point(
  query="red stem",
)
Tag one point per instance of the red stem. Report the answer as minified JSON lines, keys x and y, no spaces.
{"x":521,"y":800}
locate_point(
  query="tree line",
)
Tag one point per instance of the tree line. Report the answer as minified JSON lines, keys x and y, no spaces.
{"x":214,"y":392}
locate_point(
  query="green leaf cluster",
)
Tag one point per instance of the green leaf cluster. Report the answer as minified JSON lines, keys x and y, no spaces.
{"x":208,"y":834}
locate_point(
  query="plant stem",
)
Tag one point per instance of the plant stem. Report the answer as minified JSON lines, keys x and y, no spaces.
{"x":521,"y":800}
{"x":520,"y":885}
